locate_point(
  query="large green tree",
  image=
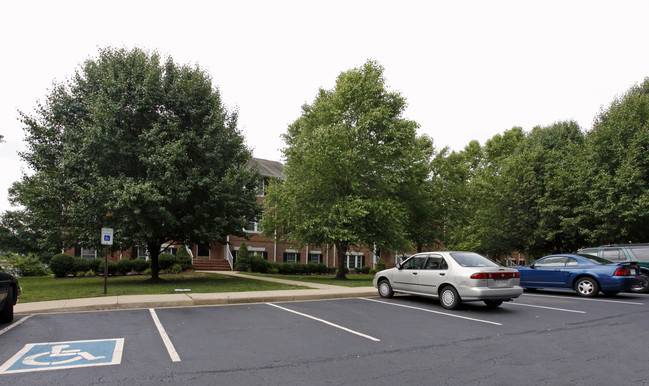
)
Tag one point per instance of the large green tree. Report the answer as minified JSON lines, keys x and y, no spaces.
{"x":348,"y":158}
{"x":617,"y":173}
{"x":139,"y":145}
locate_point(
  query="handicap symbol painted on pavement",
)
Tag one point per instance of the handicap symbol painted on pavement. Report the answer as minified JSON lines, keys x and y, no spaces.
{"x":65,"y":355}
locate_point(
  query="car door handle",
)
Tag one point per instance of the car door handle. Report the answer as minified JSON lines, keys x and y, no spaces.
{"x":414,"y":273}
{"x":442,"y":274}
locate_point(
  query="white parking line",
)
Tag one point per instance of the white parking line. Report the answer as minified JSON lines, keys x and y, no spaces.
{"x":327,"y":323}
{"x":165,"y":338}
{"x":14,"y":324}
{"x":434,"y":312}
{"x":548,"y":308}
{"x":589,"y":299}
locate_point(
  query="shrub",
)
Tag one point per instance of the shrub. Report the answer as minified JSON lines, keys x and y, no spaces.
{"x":30,"y":266}
{"x":183,"y":258}
{"x":140,"y":265}
{"x":380,"y":265}
{"x":166,"y":261}
{"x":81,"y":265}
{"x":258,"y":264}
{"x":112,"y":268}
{"x":95,"y":263}
{"x":90,"y":273}
{"x":62,"y":264}
{"x":176,"y":268}
{"x":124,"y":266}
{"x":243,"y":260}
{"x":366,"y":269}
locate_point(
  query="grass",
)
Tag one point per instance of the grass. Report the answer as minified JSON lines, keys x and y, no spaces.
{"x":353,"y":280}
{"x":36,"y":289}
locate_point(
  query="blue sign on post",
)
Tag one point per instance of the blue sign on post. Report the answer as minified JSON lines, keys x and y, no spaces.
{"x":65,"y":355}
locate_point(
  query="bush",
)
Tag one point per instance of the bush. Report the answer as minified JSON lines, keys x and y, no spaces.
{"x":243,"y":260}
{"x":380,"y":265}
{"x":140,"y":265}
{"x":124,"y":266}
{"x":176,"y":269}
{"x":95,"y":263}
{"x":183,"y":258}
{"x":62,"y":264}
{"x":258,"y":264}
{"x":90,"y":273}
{"x":80,"y":265}
{"x":112,"y":268}
{"x":166,"y":261}
{"x":29,"y":266}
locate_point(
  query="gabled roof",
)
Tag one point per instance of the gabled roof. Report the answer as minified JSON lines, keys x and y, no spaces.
{"x":268,"y":168}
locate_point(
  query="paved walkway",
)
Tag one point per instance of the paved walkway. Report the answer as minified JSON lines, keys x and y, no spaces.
{"x":188,"y":299}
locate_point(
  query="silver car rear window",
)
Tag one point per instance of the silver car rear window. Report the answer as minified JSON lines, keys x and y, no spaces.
{"x":470,"y":259}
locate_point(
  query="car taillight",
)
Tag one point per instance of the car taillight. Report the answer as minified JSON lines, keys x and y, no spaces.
{"x":622,"y":272}
{"x":495,"y":275}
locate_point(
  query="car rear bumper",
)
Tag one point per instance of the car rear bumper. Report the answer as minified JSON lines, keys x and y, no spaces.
{"x":482,"y":293}
{"x":621,"y":283}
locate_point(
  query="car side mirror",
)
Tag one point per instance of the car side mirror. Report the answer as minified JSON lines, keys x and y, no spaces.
{"x":398,"y":265}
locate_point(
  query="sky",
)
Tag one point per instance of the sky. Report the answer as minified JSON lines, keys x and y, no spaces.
{"x":468,"y":69}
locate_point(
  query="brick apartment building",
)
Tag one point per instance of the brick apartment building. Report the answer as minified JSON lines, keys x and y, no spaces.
{"x":218,"y":256}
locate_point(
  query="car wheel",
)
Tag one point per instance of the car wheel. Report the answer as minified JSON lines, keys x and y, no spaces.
{"x":493,"y":303}
{"x":587,"y":286}
{"x":449,"y":298}
{"x":7,"y":313}
{"x":645,"y":286}
{"x":385,"y":289}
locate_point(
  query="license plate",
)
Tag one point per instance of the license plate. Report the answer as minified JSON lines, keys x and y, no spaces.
{"x":500,"y":283}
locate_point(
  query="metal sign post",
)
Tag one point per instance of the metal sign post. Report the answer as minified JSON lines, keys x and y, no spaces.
{"x":106,"y":239}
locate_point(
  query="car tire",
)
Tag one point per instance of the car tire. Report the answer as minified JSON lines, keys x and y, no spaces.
{"x":587,"y":287}
{"x":385,"y":289}
{"x":449,"y":298}
{"x":7,"y":313}
{"x":493,"y":303}
{"x":645,"y":286}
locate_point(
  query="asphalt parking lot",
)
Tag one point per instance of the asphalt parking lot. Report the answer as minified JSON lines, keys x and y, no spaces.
{"x":541,"y":338}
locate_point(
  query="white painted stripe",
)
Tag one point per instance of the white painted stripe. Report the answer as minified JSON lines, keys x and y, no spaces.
{"x":588,"y":299}
{"x":548,"y":308}
{"x":327,"y":323}
{"x":14,"y":324}
{"x":434,"y":312}
{"x":165,"y":338}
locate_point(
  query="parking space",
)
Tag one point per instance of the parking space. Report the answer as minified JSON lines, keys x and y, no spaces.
{"x":257,"y":341}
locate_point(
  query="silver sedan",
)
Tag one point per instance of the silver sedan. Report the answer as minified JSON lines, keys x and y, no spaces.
{"x":452,"y":277}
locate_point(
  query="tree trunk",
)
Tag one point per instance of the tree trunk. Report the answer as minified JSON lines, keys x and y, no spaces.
{"x":154,"y":252}
{"x":342,"y":252}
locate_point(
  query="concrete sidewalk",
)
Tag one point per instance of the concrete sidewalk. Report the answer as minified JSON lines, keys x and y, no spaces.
{"x":188,"y":299}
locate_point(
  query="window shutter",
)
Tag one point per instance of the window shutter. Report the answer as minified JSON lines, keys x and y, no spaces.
{"x":363,"y":261}
{"x":265,"y":254}
{"x":320,"y":259}
{"x":77,"y":251}
{"x":297,"y":258}
{"x":285,"y":257}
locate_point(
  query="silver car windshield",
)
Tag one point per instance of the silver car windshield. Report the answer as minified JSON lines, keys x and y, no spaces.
{"x":470,"y":259}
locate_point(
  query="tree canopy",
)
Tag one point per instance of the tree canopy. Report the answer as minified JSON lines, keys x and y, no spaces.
{"x":351,"y":160}
{"x":141,"y":146}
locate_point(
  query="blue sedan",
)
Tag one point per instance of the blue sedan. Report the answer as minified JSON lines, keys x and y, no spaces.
{"x":585,"y":274}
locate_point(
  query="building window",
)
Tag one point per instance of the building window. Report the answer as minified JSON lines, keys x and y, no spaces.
{"x":252,"y":227}
{"x":315,"y":257}
{"x":353,"y":261}
{"x":262,"y":187}
{"x":291,"y":257}
{"x":86,"y":253}
{"x":140,"y":252}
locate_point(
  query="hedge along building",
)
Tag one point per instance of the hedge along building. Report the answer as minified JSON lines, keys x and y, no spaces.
{"x":222,"y":256}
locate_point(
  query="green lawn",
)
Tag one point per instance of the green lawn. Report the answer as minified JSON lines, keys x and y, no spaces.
{"x":353,"y":280}
{"x":35,"y":289}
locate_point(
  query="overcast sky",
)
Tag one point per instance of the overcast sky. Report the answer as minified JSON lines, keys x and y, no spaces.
{"x":468,"y":69}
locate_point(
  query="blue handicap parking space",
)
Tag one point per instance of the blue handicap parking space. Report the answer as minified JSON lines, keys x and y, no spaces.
{"x":65,"y":355}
